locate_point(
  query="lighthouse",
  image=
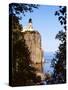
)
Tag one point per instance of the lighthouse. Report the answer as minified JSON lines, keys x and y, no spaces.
{"x":29,"y":27}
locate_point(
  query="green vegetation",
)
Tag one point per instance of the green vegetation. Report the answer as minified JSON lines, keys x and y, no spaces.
{"x":21,"y":70}
{"x":59,"y":62}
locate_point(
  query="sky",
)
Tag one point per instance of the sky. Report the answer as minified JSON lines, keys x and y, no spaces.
{"x":45,"y":22}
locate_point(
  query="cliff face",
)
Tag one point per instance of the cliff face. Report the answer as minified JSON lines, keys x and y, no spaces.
{"x":33,"y":42}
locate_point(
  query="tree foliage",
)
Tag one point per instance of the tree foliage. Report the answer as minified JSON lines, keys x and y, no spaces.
{"x":22,"y":71}
{"x":18,"y":8}
{"x":59,"y":62}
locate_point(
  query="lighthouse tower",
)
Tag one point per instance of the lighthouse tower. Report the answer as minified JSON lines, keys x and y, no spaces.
{"x":29,"y":27}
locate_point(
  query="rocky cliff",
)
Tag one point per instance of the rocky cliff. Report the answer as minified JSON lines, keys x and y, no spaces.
{"x":33,"y":42}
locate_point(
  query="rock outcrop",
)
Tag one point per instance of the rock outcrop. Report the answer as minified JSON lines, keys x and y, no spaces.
{"x":33,"y":42}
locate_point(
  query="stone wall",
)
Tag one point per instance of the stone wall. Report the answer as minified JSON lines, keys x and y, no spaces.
{"x":33,"y":42}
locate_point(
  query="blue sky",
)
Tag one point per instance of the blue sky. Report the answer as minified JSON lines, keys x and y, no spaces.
{"x":47,"y":24}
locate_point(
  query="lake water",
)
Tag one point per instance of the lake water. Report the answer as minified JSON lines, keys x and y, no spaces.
{"x":48,"y":56}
